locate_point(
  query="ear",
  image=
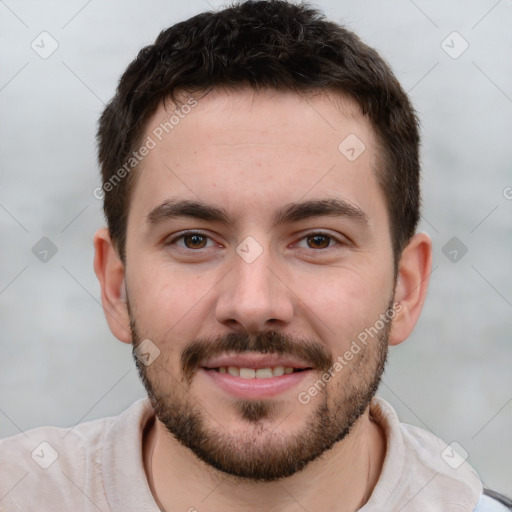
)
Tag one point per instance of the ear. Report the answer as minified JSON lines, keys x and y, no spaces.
{"x":109,"y":270}
{"x":411,"y":287}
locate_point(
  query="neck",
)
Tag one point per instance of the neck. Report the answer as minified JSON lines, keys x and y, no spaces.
{"x":342,"y":479}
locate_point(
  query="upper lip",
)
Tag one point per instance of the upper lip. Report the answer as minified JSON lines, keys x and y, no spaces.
{"x":255,"y":361}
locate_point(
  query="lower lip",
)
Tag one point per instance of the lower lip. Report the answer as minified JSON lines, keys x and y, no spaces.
{"x":256,"y":388}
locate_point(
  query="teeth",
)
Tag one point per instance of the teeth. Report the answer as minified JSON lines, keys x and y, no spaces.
{"x":259,"y":373}
{"x":247,"y":373}
{"x":263,"y":373}
{"x":279,"y":370}
{"x":234,"y":370}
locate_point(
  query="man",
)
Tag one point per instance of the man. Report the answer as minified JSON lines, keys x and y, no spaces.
{"x":261,"y":188}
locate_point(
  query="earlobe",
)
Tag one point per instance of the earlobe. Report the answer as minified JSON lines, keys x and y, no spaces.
{"x":110,"y":272}
{"x":412,"y":285}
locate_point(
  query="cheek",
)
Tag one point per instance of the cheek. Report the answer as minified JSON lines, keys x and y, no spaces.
{"x":347,"y":304}
{"x":170,"y":305}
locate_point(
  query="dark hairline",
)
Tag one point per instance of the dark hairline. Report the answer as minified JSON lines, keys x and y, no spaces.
{"x":330,"y":57}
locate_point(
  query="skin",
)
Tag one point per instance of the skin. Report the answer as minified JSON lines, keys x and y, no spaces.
{"x":251,"y":153}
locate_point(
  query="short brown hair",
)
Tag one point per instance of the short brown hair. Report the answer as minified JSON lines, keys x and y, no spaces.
{"x":263,"y":44}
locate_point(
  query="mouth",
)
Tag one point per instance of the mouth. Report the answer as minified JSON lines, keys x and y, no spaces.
{"x":257,"y":373}
{"x":255,"y":376}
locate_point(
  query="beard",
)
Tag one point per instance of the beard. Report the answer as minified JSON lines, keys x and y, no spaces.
{"x":257,"y":451}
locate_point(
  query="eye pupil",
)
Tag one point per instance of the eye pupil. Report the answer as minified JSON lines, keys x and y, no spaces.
{"x":318,"y":240}
{"x":196,"y":238}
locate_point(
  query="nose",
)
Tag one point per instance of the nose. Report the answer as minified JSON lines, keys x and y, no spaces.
{"x":254,"y":295}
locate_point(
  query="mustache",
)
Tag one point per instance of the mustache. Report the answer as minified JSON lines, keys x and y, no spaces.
{"x":270,"y":342}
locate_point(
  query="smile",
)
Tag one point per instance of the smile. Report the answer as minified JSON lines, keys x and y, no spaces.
{"x":255,"y":383}
{"x":257,"y":373}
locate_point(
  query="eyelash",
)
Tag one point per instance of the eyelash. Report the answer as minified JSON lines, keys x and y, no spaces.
{"x":201,"y":234}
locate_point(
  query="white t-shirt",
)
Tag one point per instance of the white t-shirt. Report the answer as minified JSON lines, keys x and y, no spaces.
{"x":98,"y":466}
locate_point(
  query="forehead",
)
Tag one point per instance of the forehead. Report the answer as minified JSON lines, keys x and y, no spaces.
{"x":253,"y":150}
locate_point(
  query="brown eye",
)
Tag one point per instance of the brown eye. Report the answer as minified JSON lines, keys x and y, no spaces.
{"x":318,"y":241}
{"x":192,"y":241}
{"x":196,"y":241}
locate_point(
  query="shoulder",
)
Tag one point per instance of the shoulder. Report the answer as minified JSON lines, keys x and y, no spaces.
{"x":48,"y":459}
{"x":454,"y":456}
{"x":43,"y":446}
{"x":55,"y":465}
{"x":416,"y":458}
{"x":492,"y":501}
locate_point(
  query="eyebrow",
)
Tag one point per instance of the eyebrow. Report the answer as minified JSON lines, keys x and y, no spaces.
{"x":293,"y":212}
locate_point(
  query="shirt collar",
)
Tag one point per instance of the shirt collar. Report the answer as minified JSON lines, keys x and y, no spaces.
{"x":414,"y":478}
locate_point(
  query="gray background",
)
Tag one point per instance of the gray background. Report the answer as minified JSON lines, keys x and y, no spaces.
{"x":59,"y":363}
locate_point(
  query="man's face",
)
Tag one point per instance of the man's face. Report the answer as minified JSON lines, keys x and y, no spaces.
{"x":253,"y":293}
